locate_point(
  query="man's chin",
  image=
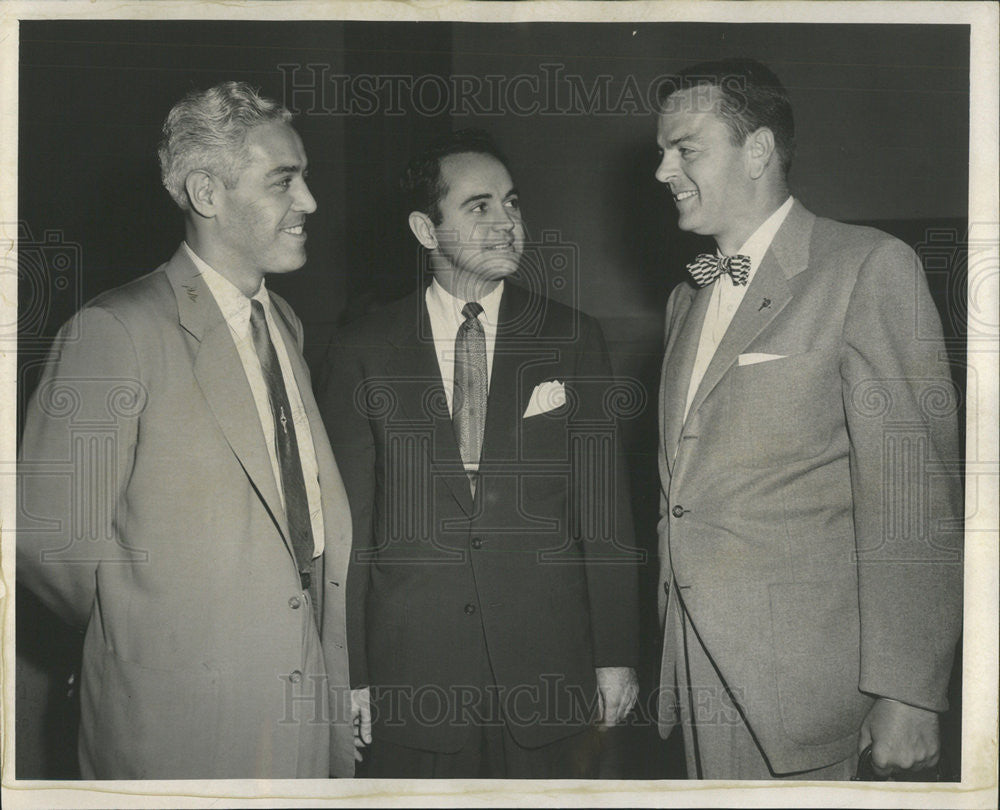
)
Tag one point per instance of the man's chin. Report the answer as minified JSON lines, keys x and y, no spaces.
{"x":687,"y":223}
{"x":290,"y":265}
{"x":497,"y":268}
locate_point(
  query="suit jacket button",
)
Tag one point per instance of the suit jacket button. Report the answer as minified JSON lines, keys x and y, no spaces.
{"x":470,"y":608}
{"x":294,"y":603}
{"x":477,"y":542}
{"x":295,"y":676}
{"x":677,"y":511}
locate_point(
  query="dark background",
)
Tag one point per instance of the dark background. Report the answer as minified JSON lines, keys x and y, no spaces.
{"x":882,"y":121}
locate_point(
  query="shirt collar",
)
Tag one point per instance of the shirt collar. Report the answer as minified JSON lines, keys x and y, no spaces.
{"x":449,"y":307}
{"x":760,"y":240}
{"x":234,"y":304}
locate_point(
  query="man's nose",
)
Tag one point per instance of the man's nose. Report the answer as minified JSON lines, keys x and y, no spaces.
{"x":667,"y":168}
{"x":304,"y":200}
{"x":501,"y":223}
{"x":506,"y":222}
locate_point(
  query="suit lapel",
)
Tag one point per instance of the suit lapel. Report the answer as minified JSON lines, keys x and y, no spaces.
{"x":416,"y":379}
{"x":220,"y":375}
{"x":503,"y":405}
{"x":678,"y":363}
{"x":749,"y":321}
{"x":766,"y":297}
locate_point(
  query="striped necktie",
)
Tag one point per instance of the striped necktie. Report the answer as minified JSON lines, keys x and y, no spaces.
{"x":468,"y":404}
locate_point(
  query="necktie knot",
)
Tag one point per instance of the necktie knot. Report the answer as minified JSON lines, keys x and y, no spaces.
{"x":709,"y":266}
{"x":256,"y":311}
{"x":471,"y":310}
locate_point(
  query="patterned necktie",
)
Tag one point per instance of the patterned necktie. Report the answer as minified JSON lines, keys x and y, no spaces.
{"x":708,"y":266}
{"x":468,"y":403}
{"x":286,"y":446}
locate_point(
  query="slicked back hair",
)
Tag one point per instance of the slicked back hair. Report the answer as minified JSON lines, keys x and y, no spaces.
{"x":750,"y":96}
{"x":421,"y":182}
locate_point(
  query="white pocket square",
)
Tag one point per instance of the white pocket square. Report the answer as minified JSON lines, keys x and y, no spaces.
{"x":547,"y":396}
{"x":757,"y":357}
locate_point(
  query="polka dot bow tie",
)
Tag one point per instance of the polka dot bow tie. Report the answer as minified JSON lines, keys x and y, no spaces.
{"x":708,"y":266}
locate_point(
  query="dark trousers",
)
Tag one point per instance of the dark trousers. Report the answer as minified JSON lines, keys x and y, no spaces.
{"x":489,"y":750}
{"x":491,"y":753}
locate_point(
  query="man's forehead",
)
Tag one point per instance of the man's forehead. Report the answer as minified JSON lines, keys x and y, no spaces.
{"x":702,"y":98}
{"x":465,"y":170}
{"x":275,"y":144}
{"x":687,"y":116}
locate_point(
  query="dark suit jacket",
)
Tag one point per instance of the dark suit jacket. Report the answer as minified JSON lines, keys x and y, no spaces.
{"x":541,"y":561}
{"x":149,"y":515}
{"x":811,"y":515}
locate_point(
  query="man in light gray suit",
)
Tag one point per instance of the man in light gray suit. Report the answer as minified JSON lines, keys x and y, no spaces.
{"x":179,"y":501}
{"x":810,"y":533}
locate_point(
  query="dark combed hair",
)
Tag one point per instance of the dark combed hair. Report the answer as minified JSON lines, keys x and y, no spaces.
{"x":421,"y":181}
{"x":750,"y":97}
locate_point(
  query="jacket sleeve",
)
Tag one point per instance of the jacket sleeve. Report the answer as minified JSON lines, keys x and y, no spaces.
{"x":602,"y":504}
{"x":901,"y":410}
{"x":75,"y":460}
{"x":342,"y":403}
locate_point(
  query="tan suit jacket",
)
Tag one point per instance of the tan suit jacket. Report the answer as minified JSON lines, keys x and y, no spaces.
{"x":810,"y":513}
{"x":150,"y":517}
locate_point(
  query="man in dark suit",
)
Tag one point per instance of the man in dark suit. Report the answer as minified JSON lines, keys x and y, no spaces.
{"x":492,"y":590}
{"x":810,"y":532}
{"x":178,"y":497}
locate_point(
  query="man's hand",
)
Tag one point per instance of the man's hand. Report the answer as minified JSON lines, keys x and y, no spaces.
{"x":617,"y":690}
{"x":902,"y":737}
{"x":361,"y":719}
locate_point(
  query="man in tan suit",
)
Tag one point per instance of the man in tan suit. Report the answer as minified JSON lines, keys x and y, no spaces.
{"x":810,"y":532}
{"x":179,"y":500}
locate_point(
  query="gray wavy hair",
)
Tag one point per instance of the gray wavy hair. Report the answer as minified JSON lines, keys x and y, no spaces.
{"x":207,"y":130}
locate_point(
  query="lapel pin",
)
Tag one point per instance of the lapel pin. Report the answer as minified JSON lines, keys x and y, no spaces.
{"x":764,"y":304}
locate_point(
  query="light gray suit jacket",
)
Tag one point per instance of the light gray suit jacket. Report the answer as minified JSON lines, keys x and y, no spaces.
{"x":810,"y":511}
{"x":149,"y":516}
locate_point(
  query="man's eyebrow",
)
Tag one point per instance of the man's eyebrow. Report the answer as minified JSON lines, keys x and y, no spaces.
{"x":476,"y":198}
{"x":687,"y":136}
{"x":292,"y":169}
{"x":512,"y":193}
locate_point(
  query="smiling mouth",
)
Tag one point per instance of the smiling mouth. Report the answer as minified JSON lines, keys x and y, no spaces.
{"x":684,"y":195}
{"x":502,"y":246}
{"x":295,"y":230}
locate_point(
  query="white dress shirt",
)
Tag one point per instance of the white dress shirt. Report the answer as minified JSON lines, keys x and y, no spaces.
{"x":445,"y":311}
{"x":727,"y":296}
{"x":235,"y":307}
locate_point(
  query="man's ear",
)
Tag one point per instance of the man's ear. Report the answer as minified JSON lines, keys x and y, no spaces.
{"x":201,"y":188}
{"x":423,"y":229}
{"x":759,"y":151}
